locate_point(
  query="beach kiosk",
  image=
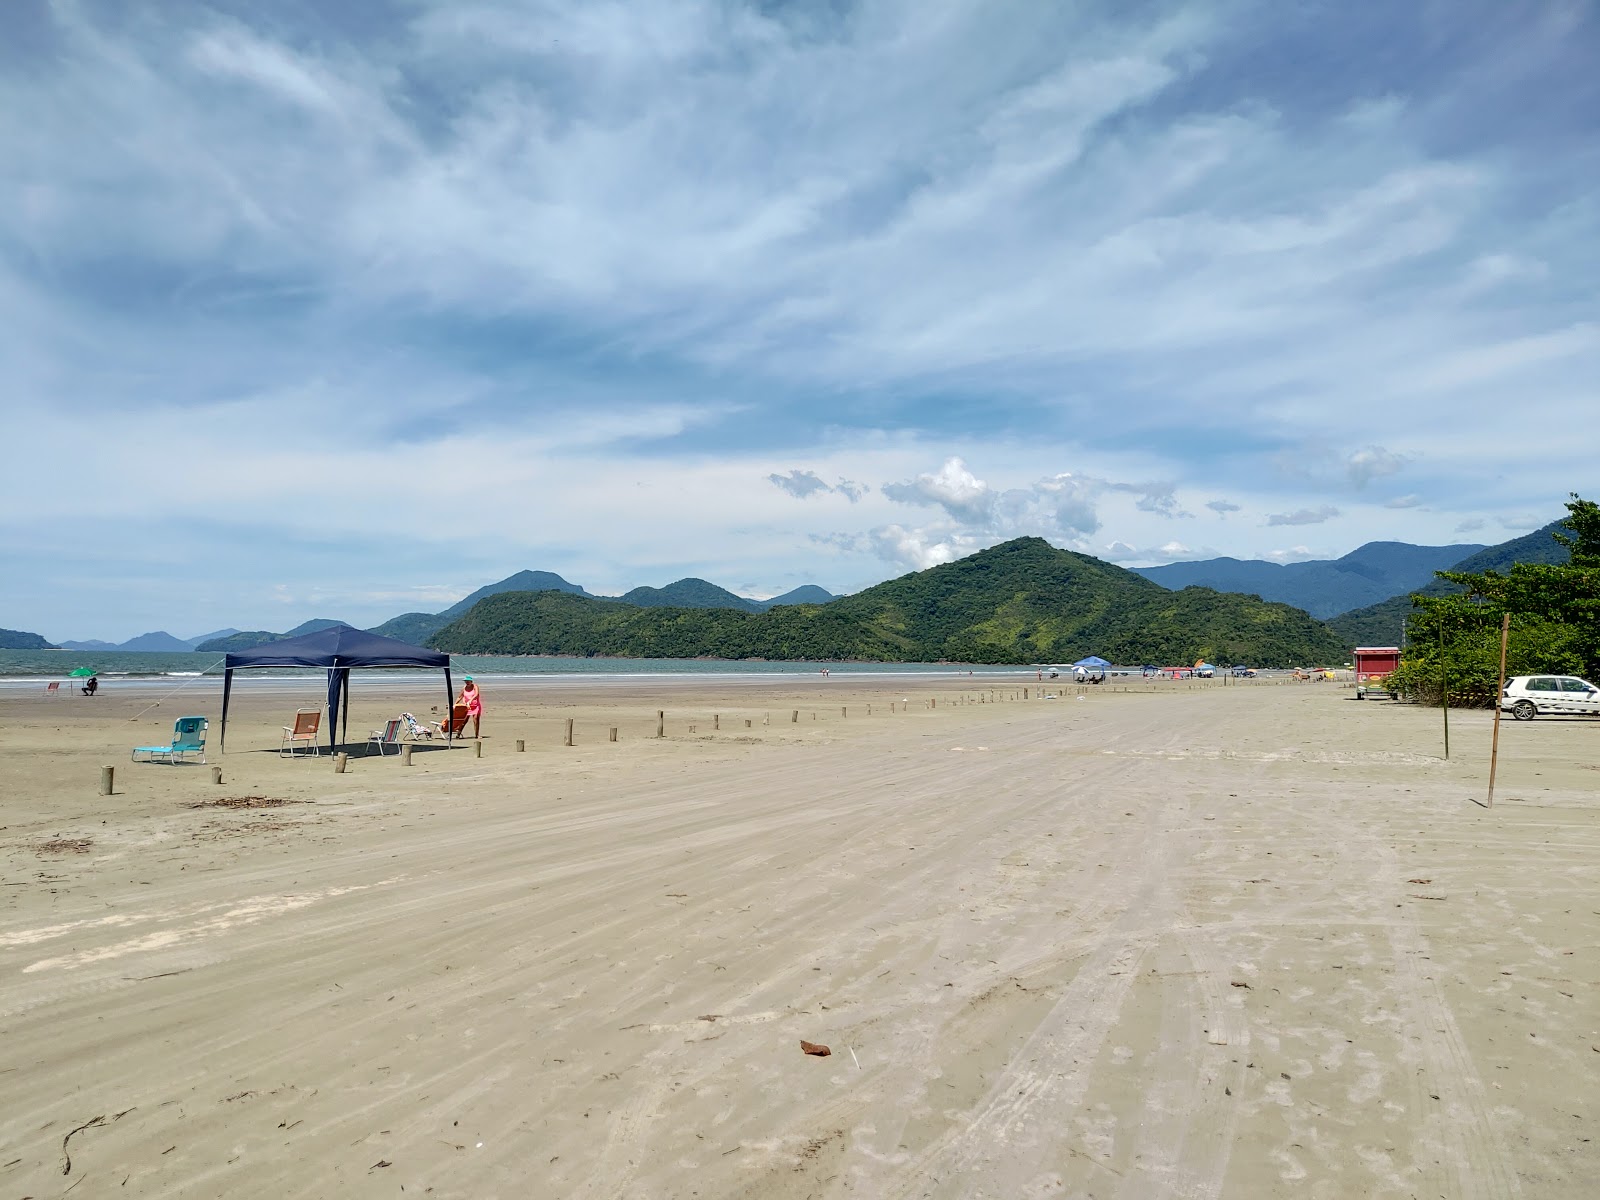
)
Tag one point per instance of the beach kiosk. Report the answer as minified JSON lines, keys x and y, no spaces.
{"x":1373,"y":665}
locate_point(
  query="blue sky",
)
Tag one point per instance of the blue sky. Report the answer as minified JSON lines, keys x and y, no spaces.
{"x":345,"y":310}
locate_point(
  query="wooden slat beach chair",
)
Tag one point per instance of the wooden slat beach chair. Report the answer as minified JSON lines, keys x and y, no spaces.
{"x":307,"y":724}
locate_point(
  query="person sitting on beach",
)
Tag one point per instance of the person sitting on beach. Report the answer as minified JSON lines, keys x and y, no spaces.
{"x":473,"y":699}
{"x":92,"y":685}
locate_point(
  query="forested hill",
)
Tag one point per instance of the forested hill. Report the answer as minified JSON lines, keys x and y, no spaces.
{"x":18,"y":639}
{"x":1020,"y":602}
{"x":1383,"y":624}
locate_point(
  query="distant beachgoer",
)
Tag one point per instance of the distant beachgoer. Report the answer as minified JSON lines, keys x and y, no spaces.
{"x":92,"y":686}
{"x":473,"y":699}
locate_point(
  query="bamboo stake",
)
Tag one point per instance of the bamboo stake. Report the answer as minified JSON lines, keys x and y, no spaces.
{"x":1494,"y":745}
{"x":1444,"y":692}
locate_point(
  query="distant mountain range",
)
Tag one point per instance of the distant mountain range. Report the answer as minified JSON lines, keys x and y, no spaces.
{"x":159,"y":642}
{"x":1364,"y":596}
{"x":1023,"y":601}
{"x":418,"y":627}
{"x":1322,"y":587}
{"x":1384,"y":623}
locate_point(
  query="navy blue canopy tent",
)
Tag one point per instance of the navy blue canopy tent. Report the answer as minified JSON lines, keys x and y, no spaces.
{"x":336,"y":649}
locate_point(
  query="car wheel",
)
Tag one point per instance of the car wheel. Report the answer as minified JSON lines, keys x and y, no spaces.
{"x":1523,"y":710}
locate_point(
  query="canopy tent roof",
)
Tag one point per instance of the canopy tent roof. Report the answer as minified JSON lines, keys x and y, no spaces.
{"x":337,"y":649}
{"x":337,"y":646}
{"x":1094,"y":660}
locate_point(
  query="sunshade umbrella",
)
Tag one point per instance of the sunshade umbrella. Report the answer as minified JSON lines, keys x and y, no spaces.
{"x":83,"y":673}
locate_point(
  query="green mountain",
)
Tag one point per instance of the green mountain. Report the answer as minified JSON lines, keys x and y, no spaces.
{"x":250,"y":639}
{"x":206,"y":637}
{"x":416,"y":627}
{"x":1020,"y":602}
{"x":159,"y":642}
{"x":246,"y":640}
{"x":17,"y":639}
{"x":1384,"y":623}
{"x":522,"y":581}
{"x":688,"y":593}
{"x":315,"y":625}
{"x":806,"y":593}
{"x":1323,"y":587}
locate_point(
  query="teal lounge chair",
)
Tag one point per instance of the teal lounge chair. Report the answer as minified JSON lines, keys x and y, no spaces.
{"x":188,"y":737}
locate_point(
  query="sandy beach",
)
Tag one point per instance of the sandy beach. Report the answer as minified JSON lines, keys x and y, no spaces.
{"x":1187,"y":941}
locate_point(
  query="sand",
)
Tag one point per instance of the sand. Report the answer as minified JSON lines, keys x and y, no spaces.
{"x":1192,"y":941}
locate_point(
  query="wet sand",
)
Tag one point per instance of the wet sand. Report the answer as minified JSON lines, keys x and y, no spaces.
{"x":1186,"y":940}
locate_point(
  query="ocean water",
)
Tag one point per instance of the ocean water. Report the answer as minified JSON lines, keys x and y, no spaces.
{"x":21,"y":668}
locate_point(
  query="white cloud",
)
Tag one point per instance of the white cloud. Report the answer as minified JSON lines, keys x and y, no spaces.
{"x":1471,"y":525}
{"x":799,"y":484}
{"x":1373,"y":462}
{"x":1222,"y":507}
{"x":1403,"y":502}
{"x":1304,"y":516}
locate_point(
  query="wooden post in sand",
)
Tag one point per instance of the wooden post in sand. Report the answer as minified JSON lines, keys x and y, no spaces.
{"x":1500,"y":690}
{"x":340,"y":763}
{"x":405,"y":756}
{"x":794,"y":717}
{"x":613,"y":734}
{"x":716,"y":720}
{"x":522,"y":746}
{"x":747,"y":723}
{"x":477,"y":748}
{"x":216,"y":774}
{"x":843,"y":711}
{"x":661,"y":723}
{"x":569,"y":731}
{"x":1444,"y":693}
{"x":107,"y":775}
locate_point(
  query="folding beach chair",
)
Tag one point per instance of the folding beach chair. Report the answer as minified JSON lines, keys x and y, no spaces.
{"x":389,"y":735}
{"x":307,"y":724}
{"x":416,"y":731}
{"x":457,"y":724}
{"x":188,"y":737}
{"x":54,"y":688}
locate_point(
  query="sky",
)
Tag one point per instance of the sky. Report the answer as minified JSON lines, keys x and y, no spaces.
{"x":345,"y":310}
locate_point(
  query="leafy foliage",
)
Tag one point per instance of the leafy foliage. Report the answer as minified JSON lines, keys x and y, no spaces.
{"x":1020,"y":602}
{"x":1454,"y":640}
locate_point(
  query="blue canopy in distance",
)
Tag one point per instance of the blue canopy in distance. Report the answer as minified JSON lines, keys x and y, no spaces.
{"x":1094,"y":660}
{"x":337,"y":649}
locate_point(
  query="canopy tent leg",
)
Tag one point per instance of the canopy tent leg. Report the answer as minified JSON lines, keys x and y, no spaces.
{"x":227,"y":689}
{"x":449,"y":707}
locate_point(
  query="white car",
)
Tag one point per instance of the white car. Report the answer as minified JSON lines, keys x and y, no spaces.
{"x":1528,"y":695}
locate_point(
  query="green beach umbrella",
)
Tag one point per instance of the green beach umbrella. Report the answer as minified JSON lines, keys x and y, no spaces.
{"x":83,"y":673}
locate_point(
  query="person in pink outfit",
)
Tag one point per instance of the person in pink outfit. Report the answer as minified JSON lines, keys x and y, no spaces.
{"x":473,"y":699}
